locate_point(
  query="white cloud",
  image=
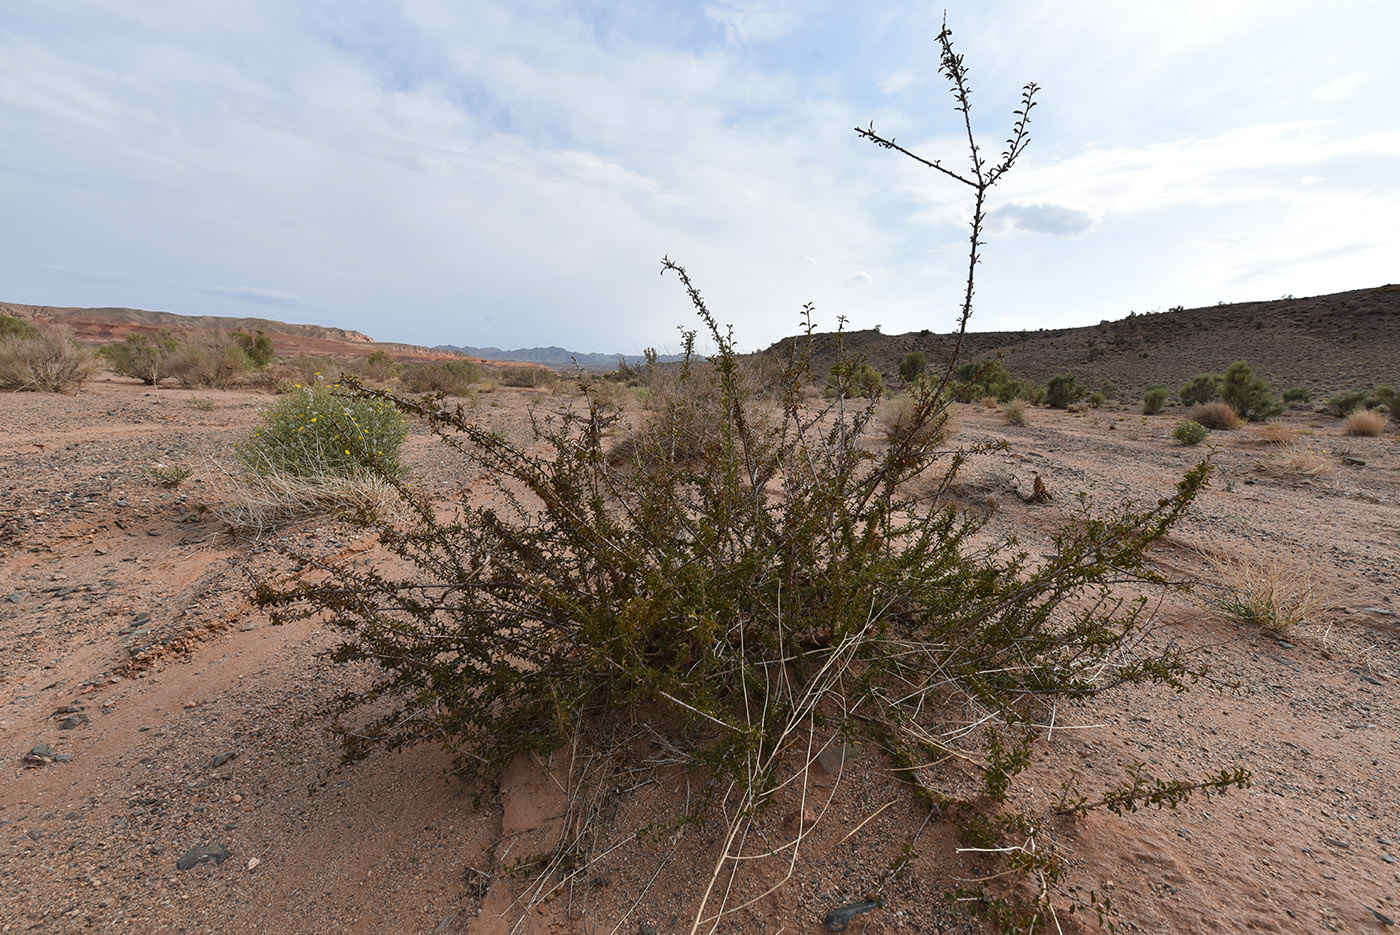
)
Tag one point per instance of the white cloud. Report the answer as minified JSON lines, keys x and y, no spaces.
{"x":754,"y":20}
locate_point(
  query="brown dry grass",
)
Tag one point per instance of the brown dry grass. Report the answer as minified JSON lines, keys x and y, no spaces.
{"x":1266,"y":591}
{"x":1276,"y":433}
{"x":1216,"y":415}
{"x":1298,"y":459}
{"x":1014,"y":412}
{"x":1366,"y":422}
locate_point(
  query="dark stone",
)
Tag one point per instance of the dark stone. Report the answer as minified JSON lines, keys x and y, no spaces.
{"x":202,"y":855}
{"x":220,"y":759}
{"x":75,"y":721}
{"x":838,"y":919}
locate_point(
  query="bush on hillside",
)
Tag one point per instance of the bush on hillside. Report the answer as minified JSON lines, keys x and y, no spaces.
{"x":1345,"y":403}
{"x":1297,"y":395}
{"x":1062,"y":390}
{"x":12,"y":327}
{"x":1202,"y":388}
{"x":1154,"y":399}
{"x":1249,"y":395}
{"x":214,"y":359}
{"x":448,"y":377}
{"x":912,"y":365}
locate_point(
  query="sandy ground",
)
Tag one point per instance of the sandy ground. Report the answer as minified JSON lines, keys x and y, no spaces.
{"x":127,"y":644}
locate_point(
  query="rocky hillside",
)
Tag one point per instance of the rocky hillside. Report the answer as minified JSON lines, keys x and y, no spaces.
{"x":1328,"y":343}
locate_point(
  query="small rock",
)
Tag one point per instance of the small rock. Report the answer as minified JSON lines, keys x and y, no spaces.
{"x":837,"y":753}
{"x":253,"y":863}
{"x":74,"y":721}
{"x":1372,"y":610}
{"x":40,"y":755}
{"x":220,"y":759}
{"x":1284,"y":644}
{"x":16,"y":597}
{"x":248,"y":626}
{"x":837,"y":919}
{"x":202,"y":855}
{"x":1381,"y":917}
{"x":1333,"y":842}
{"x":189,"y":704}
{"x":1348,"y":459}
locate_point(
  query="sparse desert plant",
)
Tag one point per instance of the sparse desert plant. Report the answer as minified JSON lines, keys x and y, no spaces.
{"x":145,"y":357}
{"x":1014,"y":412}
{"x":45,"y":359}
{"x":1367,"y":422}
{"x":527,"y":376}
{"x":1266,"y":591}
{"x":855,"y":379}
{"x":213,"y":359}
{"x":256,"y":346}
{"x":1297,"y":396}
{"x":1062,"y":390}
{"x":912,"y":365}
{"x":1190,"y":432}
{"x":201,"y":403}
{"x":1216,"y":415}
{"x":1154,"y":399}
{"x":1109,"y":389}
{"x":378,"y":367}
{"x":1276,"y":433}
{"x":1298,"y":459}
{"x":1345,"y":403}
{"x":1387,"y":397}
{"x":1249,"y":395}
{"x":170,"y":475}
{"x":448,"y":377}
{"x":1096,"y":400}
{"x":987,"y":402}
{"x":1202,"y":388}
{"x":899,"y":418}
{"x":12,"y":327}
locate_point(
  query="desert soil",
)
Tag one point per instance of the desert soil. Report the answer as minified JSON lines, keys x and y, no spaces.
{"x":182,"y":719}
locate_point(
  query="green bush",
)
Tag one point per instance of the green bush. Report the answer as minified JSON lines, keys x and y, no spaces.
{"x":1202,"y":388}
{"x":1249,"y":395}
{"x":1388,"y":396}
{"x":1154,"y":399}
{"x":1062,"y":390}
{"x":854,"y":379}
{"x":212,"y":359}
{"x":317,"y":431}
{"x":12,"y":327}
{"x":912,"y":365}
{"x":256,"y":347}
{"x":1345,"y":403}
{"x":975,"y":380}
{"x":378,"y":367}
{"x":1109,"y":389}
{"x":527,"y":376}
{"x":1190,"y":433}
{"x":1096,"y":400}
{"x":1297,"y":395}
{"x":144,"y":358}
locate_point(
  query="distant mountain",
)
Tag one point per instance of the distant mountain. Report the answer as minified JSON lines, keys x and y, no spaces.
{"x":557,"y":358}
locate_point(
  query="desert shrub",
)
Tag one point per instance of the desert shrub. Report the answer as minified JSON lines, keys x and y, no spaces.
{"x":45,"y":360}
{"x":1190,"y":432}
{"x":988,"y":378}
{"x":317,"y":431}
{"x":1216,"y":415}
{"x":378,"y":367}
{"x":449,"y":377}
{"x":1109,"y":389}
{"x":145,"y":358}
{"x":170,"y":475}
{"x":1387,"y":396}
{"x":1154,"y":399}
{"x":1096,"y":400}
{"x":1345,"y":403}
{"x":1250,"y":396}
{"x":912,"y":365}
{"x":305,"y":370}
{"x":1014,"y":412}
{"x":1266,"y":592}
{"x":257,"y":347}
{"x":793,"y":576}
{"x":527,"y":376}
{"x":1366,"y":422}
{"x":854,"y":379}
{"x":1202,"y":388}
{"x":1297,"y":395}
{"x":214,"y":359}
{"x":12,"y":327}
{"x":1062,"y":390}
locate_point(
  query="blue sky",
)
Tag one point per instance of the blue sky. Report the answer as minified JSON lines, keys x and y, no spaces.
{"x":511,"y":174}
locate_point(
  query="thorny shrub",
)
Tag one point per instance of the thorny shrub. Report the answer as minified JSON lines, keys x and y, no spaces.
{"x":780,"y":574}
{"x":42,"y":359}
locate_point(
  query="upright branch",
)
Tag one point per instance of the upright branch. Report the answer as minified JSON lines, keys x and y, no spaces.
{"x":980,"y":179}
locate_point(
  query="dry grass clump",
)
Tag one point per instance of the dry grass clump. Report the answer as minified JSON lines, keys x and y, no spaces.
{"x":1216,"y":415}
{"x":1365,"y":422}
{"x":1014,"y":412}
{"x":266,"y":503}
{"x":1298,"y":459}
{"x":44,"y":360}
{"x":1266,"y":591}
{"x":987,"y":402}
{"x":897,"y":417}
{"x":1276,"y":433}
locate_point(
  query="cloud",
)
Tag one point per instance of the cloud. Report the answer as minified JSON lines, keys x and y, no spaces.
{"x":861,"y":275}
{"x":746,"y":21}
{"x":1339,"y":88}
{"x":254,"y":294}
{"x":1042,"y":218}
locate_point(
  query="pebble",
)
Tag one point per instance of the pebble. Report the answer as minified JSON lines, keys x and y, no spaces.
{"x":75,"y":721}
{"x":16,"y":597}
{"x":253,"y":863}
{"x":220,"y":759}
{"x":202,"y":855}
{"x":189,"y":704}
{"x":838,"y":919}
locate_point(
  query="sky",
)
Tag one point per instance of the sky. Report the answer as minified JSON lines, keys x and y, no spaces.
{"x":511,"y":174}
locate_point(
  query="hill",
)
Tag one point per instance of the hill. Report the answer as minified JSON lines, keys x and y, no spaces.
{"x":556,"y":357}
{"x":1327,"y":343}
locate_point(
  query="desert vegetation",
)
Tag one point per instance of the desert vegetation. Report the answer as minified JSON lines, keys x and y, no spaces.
{"x":42,"y":359}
